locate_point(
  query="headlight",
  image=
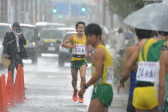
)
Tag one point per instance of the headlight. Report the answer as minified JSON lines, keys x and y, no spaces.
{"x":32,"y":44}
{"x":64,"y":49}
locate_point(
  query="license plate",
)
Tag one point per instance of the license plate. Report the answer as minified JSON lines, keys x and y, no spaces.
{"x":51,"y":48}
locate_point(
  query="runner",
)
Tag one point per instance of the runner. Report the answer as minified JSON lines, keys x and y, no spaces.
{"x":78,"y":61}
{"x":147,"y":53}
{"x":101,"y":72}
{"x":163,"y":83}
{"x":141,"y":34}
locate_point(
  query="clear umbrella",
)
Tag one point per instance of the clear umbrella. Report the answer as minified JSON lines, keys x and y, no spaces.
{"x":155,"y":14}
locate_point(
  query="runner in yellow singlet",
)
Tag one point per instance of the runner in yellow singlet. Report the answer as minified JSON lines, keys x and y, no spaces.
{"x":147,"y":54}
{"x":101,"y":72}
{"x":79,"y":47}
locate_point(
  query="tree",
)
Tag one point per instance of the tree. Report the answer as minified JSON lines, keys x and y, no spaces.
{"x":124,"y":7}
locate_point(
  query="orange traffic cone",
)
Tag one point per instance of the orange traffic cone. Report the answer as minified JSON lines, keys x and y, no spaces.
{"x":17,"y":87}
{"x":9,"y":89}
{"x":3,"y":98}
{"x":22,"y":84}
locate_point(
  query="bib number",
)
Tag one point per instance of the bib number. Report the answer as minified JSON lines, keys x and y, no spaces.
{"x":146,"y":71}
{"x":79,"y":49}
{"x":109,"y":78}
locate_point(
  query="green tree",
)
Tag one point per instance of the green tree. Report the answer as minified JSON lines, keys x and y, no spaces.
{"x":124,"y":7}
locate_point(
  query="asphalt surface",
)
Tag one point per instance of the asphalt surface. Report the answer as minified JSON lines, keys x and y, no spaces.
{"x":49,"y":88}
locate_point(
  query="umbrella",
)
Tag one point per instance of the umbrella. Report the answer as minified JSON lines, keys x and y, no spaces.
{"x":155,"y":14}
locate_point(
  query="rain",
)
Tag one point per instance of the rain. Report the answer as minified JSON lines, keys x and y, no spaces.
{"x":33,"y":34}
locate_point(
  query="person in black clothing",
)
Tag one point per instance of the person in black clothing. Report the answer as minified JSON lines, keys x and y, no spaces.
{"x":13,"y":48}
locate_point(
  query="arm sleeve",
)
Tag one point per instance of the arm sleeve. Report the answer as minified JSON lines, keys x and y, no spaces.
{"x":22,"y":40}
{"x":6,"y":39}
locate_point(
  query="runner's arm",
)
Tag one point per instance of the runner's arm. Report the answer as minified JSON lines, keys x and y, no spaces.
{"x":64,"y":44}
{"x":98,"y":61}
{"x":127,"y":71}
{"x":162,"y":79}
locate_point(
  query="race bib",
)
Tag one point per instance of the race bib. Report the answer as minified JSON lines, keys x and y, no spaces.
{"x":79,"y":49}
{"x":146,"y":71}
{"x":109,"y":78}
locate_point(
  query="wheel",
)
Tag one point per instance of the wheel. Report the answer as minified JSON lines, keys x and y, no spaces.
{"x":60,"y":62}
{"x":34,"y":60}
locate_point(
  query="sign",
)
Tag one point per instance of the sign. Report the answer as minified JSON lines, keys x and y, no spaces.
{"x":62,"y":8}
{"x":76,"y":10}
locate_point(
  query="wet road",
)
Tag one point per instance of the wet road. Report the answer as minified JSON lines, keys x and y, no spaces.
{"x":49,"y":89}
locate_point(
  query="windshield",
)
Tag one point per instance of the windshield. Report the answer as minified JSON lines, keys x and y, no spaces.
{"x":54,"y":26}
{"x":67,"y":35}
{"x":28,"y":33}
{"x":52,"y":34}
{"x":40,"y":28}
{"x":3,"y":30}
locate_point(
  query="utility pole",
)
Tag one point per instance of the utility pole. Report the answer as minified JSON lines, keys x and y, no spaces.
{"x":3,"y":11}
{"x":16,"y":11}
{"x":31,"y":10}
{"x":22,"y":11}
{"x":104,"y":12}
{"x":41,"y":10}
{"x":35,"y":10}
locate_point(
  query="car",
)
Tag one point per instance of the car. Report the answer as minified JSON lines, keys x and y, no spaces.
{"x":67,"y":29}
{"x":40,"y":26}
{"x":4,"y":27}
{"x":50,"y":41}
{"x":65,"y":53}
{"x":31,"y":33}
{"x":54,"y":25}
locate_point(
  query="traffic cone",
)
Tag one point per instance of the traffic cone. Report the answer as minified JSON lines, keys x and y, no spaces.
{"x":9,"y":90}
{"x":3,"y":98}
{"x":22,"y":84}
{"x":17,"y":87}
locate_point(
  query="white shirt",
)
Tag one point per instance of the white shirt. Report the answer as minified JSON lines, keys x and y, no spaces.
{"x":17,"y":41}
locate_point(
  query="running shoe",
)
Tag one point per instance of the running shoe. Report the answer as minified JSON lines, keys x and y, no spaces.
{"x":75,"y":95}
{"x":80,"y":100}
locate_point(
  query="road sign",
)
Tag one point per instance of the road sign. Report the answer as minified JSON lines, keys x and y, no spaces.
{"x":62,"y":8}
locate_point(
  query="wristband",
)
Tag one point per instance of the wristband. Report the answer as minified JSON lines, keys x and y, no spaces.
{"x":160,"y":109}
{"x":89,"y":51}
{"x":85,"y":86}
{"x":122,"y":83}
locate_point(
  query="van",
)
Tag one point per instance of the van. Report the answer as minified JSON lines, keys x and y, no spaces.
{"x":40,"y":26}
{"x":31,"y":33}
{"x":4,"y":27}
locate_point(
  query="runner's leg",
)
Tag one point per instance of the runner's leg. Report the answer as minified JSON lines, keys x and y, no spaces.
{"x":96,"y":106}
{"x":154,"y":109}
{"x":74,"y":78}
{"x":105,"y":109}
{"x":82,"y":75}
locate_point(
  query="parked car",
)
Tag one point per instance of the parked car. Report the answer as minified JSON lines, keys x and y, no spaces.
{"x":4,"y":27}
{"x":31,"y":33}
{"x":50,"y":41}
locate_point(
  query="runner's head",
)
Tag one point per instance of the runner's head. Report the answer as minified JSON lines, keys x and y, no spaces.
{"x":143,"y":33}
{"x":80,"y":26}
{"x":93,"y":33}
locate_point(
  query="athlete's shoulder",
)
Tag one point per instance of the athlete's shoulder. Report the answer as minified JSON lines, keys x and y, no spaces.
{"x":131,"y":49}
